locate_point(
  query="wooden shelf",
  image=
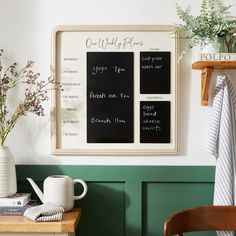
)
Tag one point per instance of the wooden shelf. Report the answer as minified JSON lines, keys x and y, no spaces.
{"x":22,"y":224}
{"x":207,"y":68}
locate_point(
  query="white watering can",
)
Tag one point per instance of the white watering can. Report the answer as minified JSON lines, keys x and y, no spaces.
{"x":59,"y":190}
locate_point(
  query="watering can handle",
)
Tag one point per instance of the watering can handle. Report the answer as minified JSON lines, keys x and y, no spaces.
{"x":84,"y":186}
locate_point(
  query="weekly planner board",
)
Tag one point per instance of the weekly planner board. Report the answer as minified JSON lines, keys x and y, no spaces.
{"x":120,"y":90}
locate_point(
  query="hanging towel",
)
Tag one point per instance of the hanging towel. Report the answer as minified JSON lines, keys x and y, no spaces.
{"x":45,"y":212}
{"x":221,"y":143}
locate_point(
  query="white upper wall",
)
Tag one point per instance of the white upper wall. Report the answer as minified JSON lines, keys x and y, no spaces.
{"x":25,"y":33}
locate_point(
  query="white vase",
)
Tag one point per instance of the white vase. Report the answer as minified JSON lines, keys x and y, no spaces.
{"x":7,"y":173}
{"x":206,"y":46}
{"x":219,"y":46}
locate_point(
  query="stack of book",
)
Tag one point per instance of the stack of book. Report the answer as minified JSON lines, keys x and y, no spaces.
{"x":16,"y":204}
{"x":214,"y":57}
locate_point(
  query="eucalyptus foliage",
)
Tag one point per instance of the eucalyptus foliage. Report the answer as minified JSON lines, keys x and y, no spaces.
{"x":213,"y":23}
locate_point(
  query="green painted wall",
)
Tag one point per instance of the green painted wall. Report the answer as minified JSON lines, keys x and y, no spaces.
{"x":129,"y":200}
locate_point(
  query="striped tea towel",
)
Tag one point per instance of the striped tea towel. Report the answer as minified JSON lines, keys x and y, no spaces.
{"x":45,"y":212}
{"x":222,"y":144}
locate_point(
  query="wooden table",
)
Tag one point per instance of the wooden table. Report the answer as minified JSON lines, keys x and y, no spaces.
{"x":19,"y":225}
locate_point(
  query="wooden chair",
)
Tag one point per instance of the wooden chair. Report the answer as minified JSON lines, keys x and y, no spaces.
{"x":203,"y":218}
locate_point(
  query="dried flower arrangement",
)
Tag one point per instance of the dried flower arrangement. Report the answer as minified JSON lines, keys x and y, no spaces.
{"x":34,"y":95}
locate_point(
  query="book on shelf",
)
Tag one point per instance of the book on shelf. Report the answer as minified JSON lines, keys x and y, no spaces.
{"x":16,"y":200}
{"x":17,"y":211}
{"x":214,"y":57}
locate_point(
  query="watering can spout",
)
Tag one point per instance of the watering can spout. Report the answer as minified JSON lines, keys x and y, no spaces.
{"x":36,"y":189}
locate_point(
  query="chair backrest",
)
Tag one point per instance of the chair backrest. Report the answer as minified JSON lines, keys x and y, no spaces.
{"x":203,"y":218}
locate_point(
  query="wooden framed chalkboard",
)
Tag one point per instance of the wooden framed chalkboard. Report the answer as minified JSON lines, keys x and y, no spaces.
{"x":120,"y":90}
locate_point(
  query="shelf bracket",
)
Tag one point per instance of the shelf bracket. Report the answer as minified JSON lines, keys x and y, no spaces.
{"x":205,"y":84}
{"x":207,"y":67}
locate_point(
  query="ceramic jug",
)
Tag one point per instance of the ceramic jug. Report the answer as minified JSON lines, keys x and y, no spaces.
{"x":59,"y":190}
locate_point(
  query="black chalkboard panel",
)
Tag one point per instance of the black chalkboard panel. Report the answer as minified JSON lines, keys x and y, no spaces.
{"x":155,"y":72}
{"x":155,"y":122}
{"x":110,"y":85}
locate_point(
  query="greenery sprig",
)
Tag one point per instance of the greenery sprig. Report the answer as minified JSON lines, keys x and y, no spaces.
{"x":212,"y":24}
{"x":34,"y":95}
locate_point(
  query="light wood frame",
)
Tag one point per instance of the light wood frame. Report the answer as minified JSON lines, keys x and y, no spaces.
{"x":69,"y":36}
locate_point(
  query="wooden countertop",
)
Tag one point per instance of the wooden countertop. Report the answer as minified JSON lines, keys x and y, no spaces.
{"x":22,"y":224}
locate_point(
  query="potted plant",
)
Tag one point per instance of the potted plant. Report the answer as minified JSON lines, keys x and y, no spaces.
{"x":211,"y":26}
{"x":34,"y":94}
